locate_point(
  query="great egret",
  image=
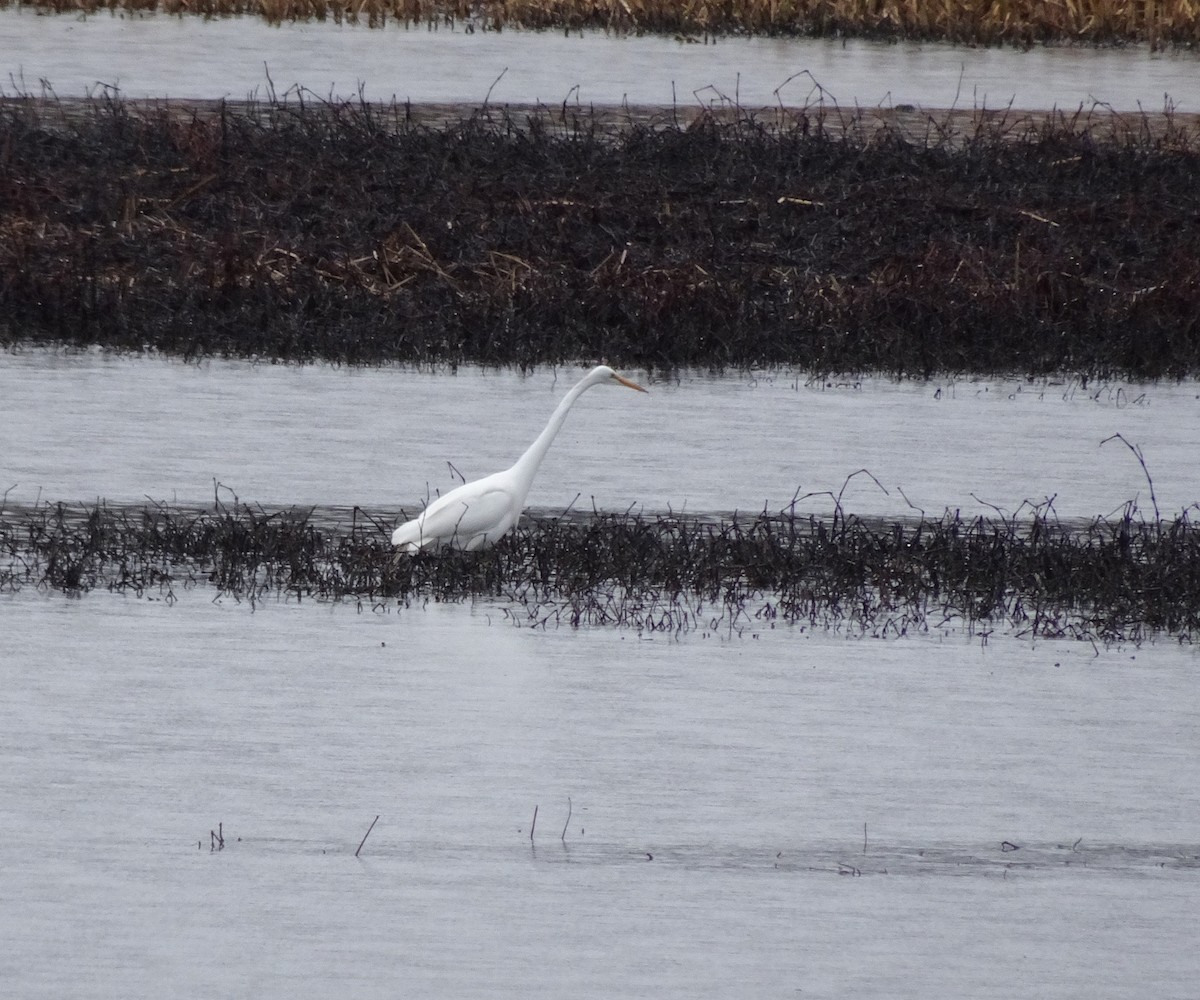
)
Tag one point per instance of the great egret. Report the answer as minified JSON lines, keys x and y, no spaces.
{"x":481,"y":512}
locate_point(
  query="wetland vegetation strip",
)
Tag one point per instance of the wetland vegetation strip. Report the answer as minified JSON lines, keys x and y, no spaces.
{"x":832,"y":240}
{"x":1117,"y":579}
{"x":1014,"y":22}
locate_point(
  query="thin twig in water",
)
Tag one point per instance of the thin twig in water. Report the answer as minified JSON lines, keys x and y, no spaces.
{"x":533,"y":824}
{"x":1137,"y":453}
{"x":563,"y":838}
{"x":919,"y":510}
{"x":860,"y":472}
{"x":488,"y":95}
{"x":366,"y":835}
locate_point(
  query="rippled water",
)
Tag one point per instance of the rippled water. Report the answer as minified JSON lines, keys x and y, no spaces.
{"x":83,"y":426}
{"x":186,"y":57}
{"x":769,"y":813}
{"x":718,"y":788}
{"x":755,"y":813}
{"x":718,"y":795}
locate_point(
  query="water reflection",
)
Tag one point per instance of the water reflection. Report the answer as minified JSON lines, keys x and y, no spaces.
{"x":86,"y":426}
{"x":719,"y":795}
{"x":158,"y":56}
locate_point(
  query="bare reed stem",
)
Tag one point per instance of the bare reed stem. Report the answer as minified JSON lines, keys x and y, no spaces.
{"x":366,"y":835}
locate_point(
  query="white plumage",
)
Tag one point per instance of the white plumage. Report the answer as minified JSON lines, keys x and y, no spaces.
{"x":481,"y":512}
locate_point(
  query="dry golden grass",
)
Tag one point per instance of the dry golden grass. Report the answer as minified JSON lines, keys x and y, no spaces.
{"x":1023,"y":22}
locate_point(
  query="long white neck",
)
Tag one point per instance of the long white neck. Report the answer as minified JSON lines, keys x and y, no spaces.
{"x":527,"y":465}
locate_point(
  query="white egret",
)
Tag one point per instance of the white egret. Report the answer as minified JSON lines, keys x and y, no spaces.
{"x":481,"y":512}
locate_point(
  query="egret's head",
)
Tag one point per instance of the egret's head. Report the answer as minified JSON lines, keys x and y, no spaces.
{"x":602,"y":373}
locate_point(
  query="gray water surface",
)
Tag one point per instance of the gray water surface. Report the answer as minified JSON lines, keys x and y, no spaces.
{"x":719,"y":787}
{"x":78,"y":427}
{"x":758,"y":812}
{"x":162,"y":56}
{"x":719,"y":791}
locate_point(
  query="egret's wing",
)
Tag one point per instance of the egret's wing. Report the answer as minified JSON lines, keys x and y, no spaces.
{"x":464,"y":518}
{"x":460,"y":519}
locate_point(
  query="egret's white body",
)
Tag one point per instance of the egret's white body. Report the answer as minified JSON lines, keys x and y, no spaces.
{"x":481,"y":512}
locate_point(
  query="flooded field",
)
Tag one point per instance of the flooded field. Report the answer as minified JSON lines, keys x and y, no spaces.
{"x":753,"y":812}
{"x":1028,"y":808}
{"x":789,"y":811}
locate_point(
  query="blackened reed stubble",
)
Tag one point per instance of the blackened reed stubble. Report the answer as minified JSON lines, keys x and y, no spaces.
{"x":1121,"y":578}
{"x":830,"y":240}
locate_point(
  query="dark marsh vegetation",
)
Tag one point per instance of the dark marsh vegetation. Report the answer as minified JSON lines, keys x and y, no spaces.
{"x":831,"y":240}
{"x":1116,"y":579}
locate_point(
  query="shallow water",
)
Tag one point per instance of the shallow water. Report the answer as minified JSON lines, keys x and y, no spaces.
{"x":189,"y":58}
{"x":718,"y":795}
{"x":781,"y":812}
{"x":718,"y":787}
{"x":78,"y":427}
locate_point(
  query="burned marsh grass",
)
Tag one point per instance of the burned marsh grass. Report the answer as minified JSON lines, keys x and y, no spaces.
{"x":835,"y":241}
{"x":1117,"y":579}
{"x":1014,"y":22}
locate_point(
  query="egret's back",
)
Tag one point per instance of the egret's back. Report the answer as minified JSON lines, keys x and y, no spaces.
{"x":469,"y":517}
